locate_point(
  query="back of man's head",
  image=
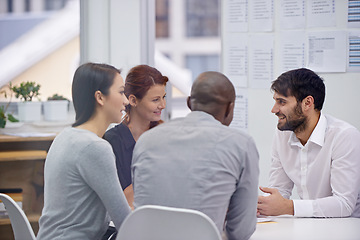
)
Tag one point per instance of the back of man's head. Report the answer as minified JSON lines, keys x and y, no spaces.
{"x":213,"y":93}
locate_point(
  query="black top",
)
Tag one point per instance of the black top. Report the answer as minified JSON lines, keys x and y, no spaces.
{"x":123,"y":145}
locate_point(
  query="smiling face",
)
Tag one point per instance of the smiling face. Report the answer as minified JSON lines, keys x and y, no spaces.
{"x":289,"y":112}
{"x":116,"y":100}
{"x":151,"y":105}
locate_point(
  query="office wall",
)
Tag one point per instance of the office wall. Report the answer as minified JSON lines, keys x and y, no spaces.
{"x":118,"y":32}
{"x":342,"y":89}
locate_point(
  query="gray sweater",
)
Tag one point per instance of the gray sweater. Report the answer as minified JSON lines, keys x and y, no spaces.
{"x":81,"y":188}
{"x":196,"y":162}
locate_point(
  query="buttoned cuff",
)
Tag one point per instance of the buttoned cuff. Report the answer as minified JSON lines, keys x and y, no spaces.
{"x":303,"y":208}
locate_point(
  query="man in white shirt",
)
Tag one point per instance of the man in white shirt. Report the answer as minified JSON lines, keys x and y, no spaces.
{"x":317,"y":153}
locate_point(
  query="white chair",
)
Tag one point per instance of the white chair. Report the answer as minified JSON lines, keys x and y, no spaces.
{"x":19,"y":222}
{"x":166,"y":223}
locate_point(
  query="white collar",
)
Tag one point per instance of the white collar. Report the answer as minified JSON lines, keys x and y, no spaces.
{"x":317,"y":136}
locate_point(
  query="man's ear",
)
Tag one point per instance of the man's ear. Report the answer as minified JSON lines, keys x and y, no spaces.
{"x":229,"y":113}
{"x":229,"y":109}
{"x":132,"y":100}
{"x":188,"y":102}
{"x":99,"y":97}
{"x":308,"y":103}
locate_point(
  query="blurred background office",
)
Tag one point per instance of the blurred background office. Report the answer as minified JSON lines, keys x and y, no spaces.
{"x":45,"y":40}
{"x":40,"y":42}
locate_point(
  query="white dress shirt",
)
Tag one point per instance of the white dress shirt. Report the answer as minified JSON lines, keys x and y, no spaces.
{"x":326,"y":171}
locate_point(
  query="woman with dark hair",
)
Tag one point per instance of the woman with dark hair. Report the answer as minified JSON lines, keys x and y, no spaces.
{"x":81,"y":183}
{"x":145,"y":89}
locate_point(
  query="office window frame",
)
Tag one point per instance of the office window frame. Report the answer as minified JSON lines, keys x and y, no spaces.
{"x":202,"y":18}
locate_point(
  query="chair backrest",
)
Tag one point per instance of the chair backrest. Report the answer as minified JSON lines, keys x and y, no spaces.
{"x":151,"y":222}
{"x":19,"y":222}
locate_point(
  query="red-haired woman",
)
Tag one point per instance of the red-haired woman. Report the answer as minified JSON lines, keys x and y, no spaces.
{"x":145,"y":89}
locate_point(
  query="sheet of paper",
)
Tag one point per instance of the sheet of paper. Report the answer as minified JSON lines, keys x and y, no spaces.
{"x":354,"y":52}
{"x":240,"y":120}
{"x":235,"y":57}
{"x":261,"y":15}
{"x":327,"y":51}
{"x":261,"y":57}
{"x":292,"y":15}
{"x":354,"y":13}
{"x":321,"y":13}
{"x":292,"y":50}
{"x":265,"y":219}
{"x":236,"y":17}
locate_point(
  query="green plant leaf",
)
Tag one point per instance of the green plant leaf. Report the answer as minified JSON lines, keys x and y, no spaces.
{"x":11,"y":118}
{"x":2,"y":122}
{"x":57,"y":97}
{"x":2,"y":117}
{"x":26,"y":91}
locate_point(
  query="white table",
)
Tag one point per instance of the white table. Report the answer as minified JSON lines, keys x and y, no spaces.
{"x":290,"y":228}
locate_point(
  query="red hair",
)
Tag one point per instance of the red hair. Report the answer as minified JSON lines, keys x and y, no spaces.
{"x":139,"y":80}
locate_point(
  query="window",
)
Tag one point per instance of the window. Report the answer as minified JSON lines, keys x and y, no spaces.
{"x":162,"y":18}
{"x":27,"y":6}
{"x":10,"y":7}
{"x":201,"y":63}
{"x":202,"y":18}
{"x":51,"y":5}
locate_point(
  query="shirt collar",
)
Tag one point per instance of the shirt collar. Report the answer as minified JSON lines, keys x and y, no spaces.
{"x":317,"y":136}
{"x":200,"y":115}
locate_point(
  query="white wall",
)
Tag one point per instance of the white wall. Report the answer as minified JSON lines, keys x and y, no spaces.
{"x":342,"y":96}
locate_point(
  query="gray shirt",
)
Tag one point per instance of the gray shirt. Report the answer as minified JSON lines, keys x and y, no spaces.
{"x":81,"y":187}
{"x":198,"y":163}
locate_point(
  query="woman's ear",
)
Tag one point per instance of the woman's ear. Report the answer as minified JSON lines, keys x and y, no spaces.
{"x":99,"y":97}
{"x":132,"y":100}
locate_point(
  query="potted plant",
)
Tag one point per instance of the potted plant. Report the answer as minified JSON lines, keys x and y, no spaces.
{"x":6,"y":116}
{"x":56,"y":108}
{"x":28,"y":110}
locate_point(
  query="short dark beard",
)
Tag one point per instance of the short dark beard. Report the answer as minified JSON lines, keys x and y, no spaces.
{"x":297,"y":125}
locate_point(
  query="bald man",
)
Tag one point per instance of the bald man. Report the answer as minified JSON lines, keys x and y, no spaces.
{"x":198,"y":162}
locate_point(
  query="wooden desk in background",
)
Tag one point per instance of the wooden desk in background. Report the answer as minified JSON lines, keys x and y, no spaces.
{"x":22,"y":166}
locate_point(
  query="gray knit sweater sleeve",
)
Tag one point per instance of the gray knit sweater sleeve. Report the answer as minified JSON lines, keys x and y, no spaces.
{"x":98,"y":170}
{"x":81,"y":188}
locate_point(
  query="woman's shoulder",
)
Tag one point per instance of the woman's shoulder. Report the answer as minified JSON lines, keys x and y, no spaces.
{"x":116,"y":131}
{"x":97,"y":148}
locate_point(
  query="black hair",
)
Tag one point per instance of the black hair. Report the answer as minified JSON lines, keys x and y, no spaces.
{"x":89,"y":78}
{"x":301,"y":83}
